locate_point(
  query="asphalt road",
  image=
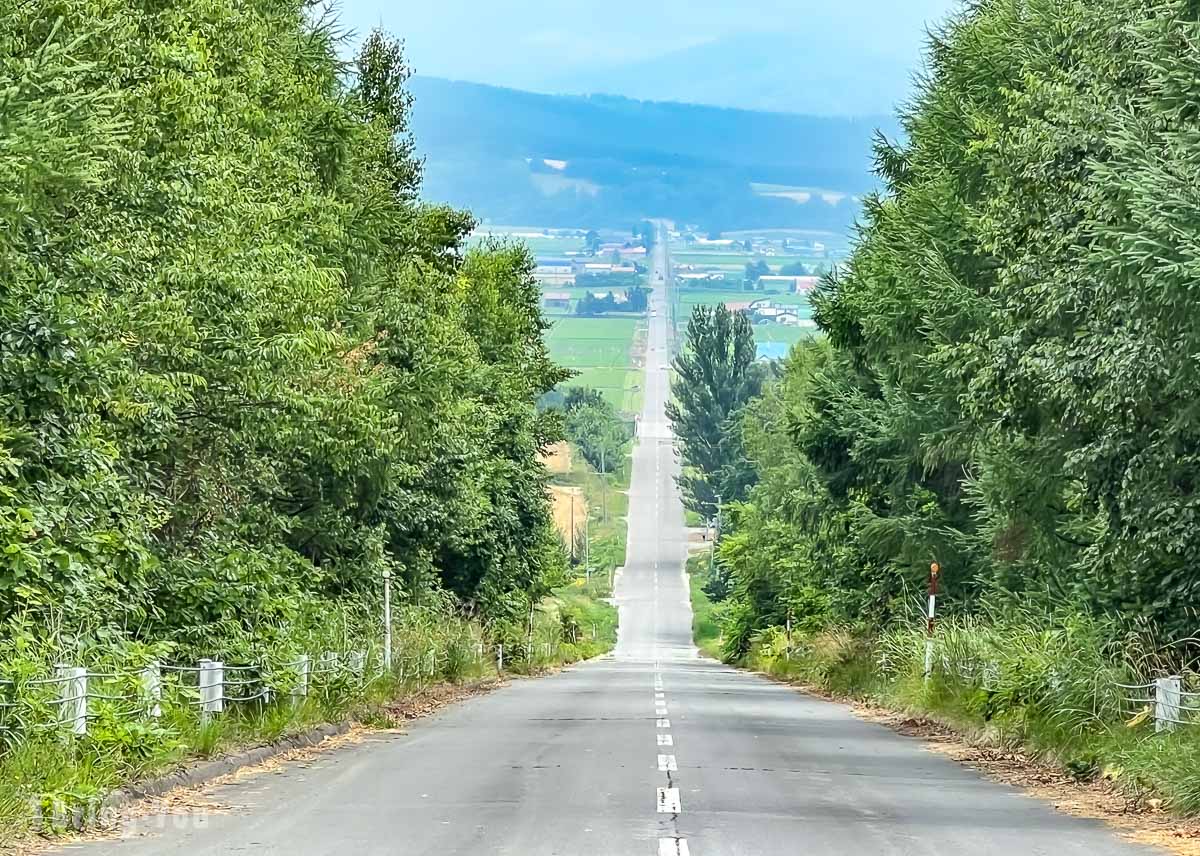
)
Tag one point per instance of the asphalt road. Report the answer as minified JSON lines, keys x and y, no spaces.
{"x":650,"y":751}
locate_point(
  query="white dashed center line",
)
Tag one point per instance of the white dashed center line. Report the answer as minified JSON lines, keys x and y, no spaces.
{"x":667,"y":764}
{"x":673,"y":847}
{"x":666,"y":740}
{"x":668,"y":801}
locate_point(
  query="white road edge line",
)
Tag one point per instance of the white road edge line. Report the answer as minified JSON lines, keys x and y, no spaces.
{"x":668,"y":801}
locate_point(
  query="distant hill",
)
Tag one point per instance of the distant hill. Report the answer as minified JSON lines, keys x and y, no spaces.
{"x":756,"y":71}
{"x":550,"y":160}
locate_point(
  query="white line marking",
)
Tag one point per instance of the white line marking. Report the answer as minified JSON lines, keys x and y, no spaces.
{"x":660,"y":711}
{"x":673,"y":847}
{"x":666,"y":763}
{"x":666,"y":740}
{"x":668,"y":801}
{"x":664,"y":723}
{"x":659,"y":696}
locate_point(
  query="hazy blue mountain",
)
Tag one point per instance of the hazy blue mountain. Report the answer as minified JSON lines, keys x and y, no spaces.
{"x":525,"y":158}
{"x":780,"y":72}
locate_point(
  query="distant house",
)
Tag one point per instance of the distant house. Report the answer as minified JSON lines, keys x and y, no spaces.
{"x":737,"y":306}
{"x":700,"y":277}
{"x":805,"y":284}
{"x":555,"y":266}
{"x":557,"y":299}
{"x":559,"y":279}
{"x":633,"y":251}
{"x":555,"y":272}
{"x":772,"y":350}
{"x":715,"y":242}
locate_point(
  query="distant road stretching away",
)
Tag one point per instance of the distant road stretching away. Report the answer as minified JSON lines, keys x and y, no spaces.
{"x":648,"y":752}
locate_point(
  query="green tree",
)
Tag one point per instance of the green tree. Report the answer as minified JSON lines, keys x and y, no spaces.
{"x":1007,"y":384}
{"x":716,"y":376}
{"x":244,"y":369}
{"x":755,"y":270}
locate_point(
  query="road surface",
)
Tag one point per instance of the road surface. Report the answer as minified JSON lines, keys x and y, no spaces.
{"x":651,"y":751}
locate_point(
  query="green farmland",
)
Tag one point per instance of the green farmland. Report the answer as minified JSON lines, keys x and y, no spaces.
{"x":736,"y":259}
{"x":600,"y":350}
{"x":689,"y":297}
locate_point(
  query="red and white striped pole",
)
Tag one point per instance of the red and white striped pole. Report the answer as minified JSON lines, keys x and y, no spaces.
{"x":934,"y":571}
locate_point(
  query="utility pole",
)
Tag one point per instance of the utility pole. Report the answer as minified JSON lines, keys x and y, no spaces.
{"x":572,"y":527}
{"x":603,"y":484}
{"x":712,"y":554}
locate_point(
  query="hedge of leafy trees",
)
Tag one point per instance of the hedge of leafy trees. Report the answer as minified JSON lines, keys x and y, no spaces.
{"x":1008,"y":381}
{"x":243,"y":370}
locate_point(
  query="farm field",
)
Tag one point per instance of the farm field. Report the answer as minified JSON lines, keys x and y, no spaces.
{"x":591,"y":342}
{"x":600,"y":351}
{"x":689,"y":297}
{"x":738,"y":260}
{"x":532,"y":236}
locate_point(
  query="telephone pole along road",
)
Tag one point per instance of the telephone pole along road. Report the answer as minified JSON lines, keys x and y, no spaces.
{"x":650,"y":751}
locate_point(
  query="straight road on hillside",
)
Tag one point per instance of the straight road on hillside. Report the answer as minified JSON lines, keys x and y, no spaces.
{"x":650,"y":751}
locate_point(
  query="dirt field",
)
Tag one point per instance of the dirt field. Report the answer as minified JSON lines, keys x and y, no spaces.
{"x":561,"y":495}
{"x":558,"y":459}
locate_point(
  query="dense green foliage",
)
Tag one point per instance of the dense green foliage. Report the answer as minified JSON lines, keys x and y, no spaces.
{"x":1008,"y":384}
{"x":242,"y":370}
{"x":636,"y":298}
{"x":716,"y":376}
{"x":488,"y":150}
{"x":596,"y":429}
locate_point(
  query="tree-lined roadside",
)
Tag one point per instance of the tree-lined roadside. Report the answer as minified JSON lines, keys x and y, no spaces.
{"x":1005,"y":387}
{"x":246,"y":376}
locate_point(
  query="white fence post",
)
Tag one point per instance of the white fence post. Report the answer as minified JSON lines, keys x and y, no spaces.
{"x":1166,"y":703}
{"x":329,"y":662}
{"x":931,"y":618}
{"x":152,"y":689}
{"x":73,"y":698}
{"x":302,"y":668}
{"x":387,"y":620}
{"x":500,"y":657}
{"x":212,"y":688}
{"x":358,"y":664}
{"x":991,"y":675}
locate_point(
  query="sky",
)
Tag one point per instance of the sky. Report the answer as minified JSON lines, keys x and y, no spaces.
{"x":825,"y":56}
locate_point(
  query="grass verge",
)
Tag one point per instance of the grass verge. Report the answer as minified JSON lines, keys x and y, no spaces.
{"x":706,"y":628}
{"x":52,"y":782}
{"x":1047,"y":686}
